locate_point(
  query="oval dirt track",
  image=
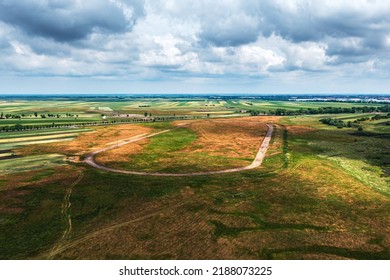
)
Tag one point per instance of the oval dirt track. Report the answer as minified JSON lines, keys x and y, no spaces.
{"x":256,"y":162}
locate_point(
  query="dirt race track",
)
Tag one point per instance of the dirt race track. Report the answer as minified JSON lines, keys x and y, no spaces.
{"x":256,"y":162}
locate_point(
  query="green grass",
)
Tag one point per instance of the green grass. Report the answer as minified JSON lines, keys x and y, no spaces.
{"x":37,"y":223}
{"x":298,"y":252}
{"x":366,"y":173}
{"x":372,"y":149}
{"x":221,"y":229}
{"x":162,"y":146}
{"x":30,"y":163}
{"x":158,"y":125}
{"x":365,"y":156}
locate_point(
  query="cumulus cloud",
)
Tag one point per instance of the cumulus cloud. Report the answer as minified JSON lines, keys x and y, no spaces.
{"x":167,"y":39}
{"x":166,"y":53}
{"x":67,"y":20}
{"x":230,"y":30}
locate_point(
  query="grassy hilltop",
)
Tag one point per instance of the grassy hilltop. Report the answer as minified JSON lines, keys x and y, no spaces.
{"x":322,"y":191}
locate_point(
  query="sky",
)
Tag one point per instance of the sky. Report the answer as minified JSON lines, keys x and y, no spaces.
{"x":195,"y":46}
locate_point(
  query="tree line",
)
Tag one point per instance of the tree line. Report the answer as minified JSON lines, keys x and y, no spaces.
{"x":340,"y":123}
{"x":43,"y":116}
{"x":20,"y":127}
{"x":322,"y":110}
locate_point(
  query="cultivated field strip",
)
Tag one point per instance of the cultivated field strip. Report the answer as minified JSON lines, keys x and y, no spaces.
{"x":25,"y":143}
{"x":23,"y":139}
{"x":256,"y":162}
{"x":11,"y":135}
{"x":37,"y":138}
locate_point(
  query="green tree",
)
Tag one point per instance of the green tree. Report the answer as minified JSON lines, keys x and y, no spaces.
{"x":18,"y":126}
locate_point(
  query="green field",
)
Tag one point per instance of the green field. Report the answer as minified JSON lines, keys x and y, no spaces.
{"x":92,"y":111}
{"x":17,"y":139}
{"x":322,"y":192}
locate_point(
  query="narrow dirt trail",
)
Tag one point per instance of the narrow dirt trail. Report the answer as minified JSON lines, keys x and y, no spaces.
{"x":66,"y":206}
{"x":66,"y":217}
{"x":61,"y":247}
{"x":256,"y":162}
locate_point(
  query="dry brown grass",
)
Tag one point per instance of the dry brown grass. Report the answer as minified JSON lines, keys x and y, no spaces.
{"x":121,"y":154}
{"x":89,"y":141}
{"x":175,"y":232}
{"x":13,"y":200}
{"x":233,"y":138}
{"x":318,"y":193}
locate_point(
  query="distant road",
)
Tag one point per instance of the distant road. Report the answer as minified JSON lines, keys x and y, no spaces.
{"x":256,"y":162}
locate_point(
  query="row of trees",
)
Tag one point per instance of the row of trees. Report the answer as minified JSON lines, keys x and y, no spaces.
{"x":340,"y":123}
{"x":10,"y":116}
{"x":43,"y":116}
{"x":20,"y":127}
{"x":322,"y":110}
{"x":334,"y":122}
{"x":380,"y":117}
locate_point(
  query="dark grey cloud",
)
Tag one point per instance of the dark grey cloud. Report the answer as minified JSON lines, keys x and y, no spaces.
{"x":301,"y":21}
{"x":70,"y":20}
{"x":230,"y":30}
{"x":348,"y":47}
{"x":296,"y":21}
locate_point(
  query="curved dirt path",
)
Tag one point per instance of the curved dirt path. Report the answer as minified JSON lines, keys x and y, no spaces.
{"x":256,"y":162}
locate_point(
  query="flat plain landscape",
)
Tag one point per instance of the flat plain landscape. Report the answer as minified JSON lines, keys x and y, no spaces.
{"x":322,"y":190}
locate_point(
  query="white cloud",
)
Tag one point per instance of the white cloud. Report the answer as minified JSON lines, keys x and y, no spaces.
{"x":165,"y":53}
{"x":262,"y":58}
{"x":307,"y":56}
{"x":185,"y":40}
